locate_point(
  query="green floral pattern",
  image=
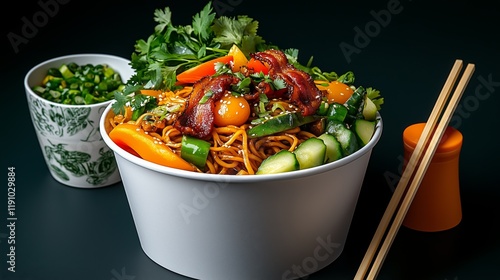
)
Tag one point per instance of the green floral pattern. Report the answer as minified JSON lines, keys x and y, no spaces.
{"x":69,"y":125}
{"x":60,"y":121}
{"x":79,"y":163}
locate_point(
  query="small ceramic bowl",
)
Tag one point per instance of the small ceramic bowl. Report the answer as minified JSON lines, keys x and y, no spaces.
{"x":246,"y":227}
{"x":69,"y":136}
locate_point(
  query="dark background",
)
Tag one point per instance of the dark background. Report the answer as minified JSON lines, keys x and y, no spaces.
{"x":69,"y":233}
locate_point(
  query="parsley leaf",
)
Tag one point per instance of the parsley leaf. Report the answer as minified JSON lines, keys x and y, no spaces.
{"x":119,"y":105}
{"x":278,"y":84}
{"x":163,"y":18}
{"x":375,"y":96}
{"x":171,"y":49}
{"x":202,"y":22}
{"x":241,"y":31}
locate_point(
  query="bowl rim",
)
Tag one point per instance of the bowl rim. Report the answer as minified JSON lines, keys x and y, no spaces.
{"x":236,"y":178}
{"x":66,"y":57}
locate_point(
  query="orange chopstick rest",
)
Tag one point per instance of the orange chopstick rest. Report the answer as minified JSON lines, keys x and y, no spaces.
{"x":436,"y":206}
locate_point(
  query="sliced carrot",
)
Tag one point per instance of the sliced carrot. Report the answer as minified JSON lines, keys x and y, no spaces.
{"x":131,"y":137}
{"x":257,"y":66}
{"x":207,"y":68}
{"x":152,"y":92}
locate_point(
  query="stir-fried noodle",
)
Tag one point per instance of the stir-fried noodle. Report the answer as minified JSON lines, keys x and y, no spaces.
{"x":231,"y":151}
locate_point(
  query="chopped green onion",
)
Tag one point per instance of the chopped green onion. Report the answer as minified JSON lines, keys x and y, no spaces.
{"x":80,"y":84}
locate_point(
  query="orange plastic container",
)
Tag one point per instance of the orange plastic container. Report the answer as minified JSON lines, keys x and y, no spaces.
{"x":436,"y":205}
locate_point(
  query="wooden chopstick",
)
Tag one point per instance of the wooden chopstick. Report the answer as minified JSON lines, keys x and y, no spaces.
{"x":421,"y":156}
{"x":408,"y":171}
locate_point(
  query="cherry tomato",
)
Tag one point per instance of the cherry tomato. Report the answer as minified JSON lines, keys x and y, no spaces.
{"x":336,"y":91}
{"x":231,"y":110}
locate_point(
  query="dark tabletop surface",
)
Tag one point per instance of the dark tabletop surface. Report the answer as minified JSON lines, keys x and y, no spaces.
{"x":406,"y":50}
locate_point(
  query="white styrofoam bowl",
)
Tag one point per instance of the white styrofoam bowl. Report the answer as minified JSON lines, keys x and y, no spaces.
{"x":69,"y":135}
{"x":207,"y":226}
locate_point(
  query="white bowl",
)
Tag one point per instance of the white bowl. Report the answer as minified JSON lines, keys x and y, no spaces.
{"x":207,"y":226}
{"x":69,"y":135}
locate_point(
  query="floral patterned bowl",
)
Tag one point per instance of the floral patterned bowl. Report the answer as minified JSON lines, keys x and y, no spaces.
{"x":69,"y":135}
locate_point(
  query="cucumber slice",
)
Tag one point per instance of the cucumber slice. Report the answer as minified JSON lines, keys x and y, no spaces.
{"x":364,"y":130}
{"x":337,"y":111}
{"x":354,"y":102}
{"x":369,"y":109}
{"x":282,"y":161}
{"x":333,"y":148}
{"x":280,"y":123}
{"x":311,"y":153}
{"x":346,"y":137}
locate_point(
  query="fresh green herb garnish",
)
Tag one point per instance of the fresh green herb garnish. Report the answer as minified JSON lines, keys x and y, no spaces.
{"x":347,"y":78}
{"x":375,"y":96}
{"x":172,"y":49}
{"x":241,"y":31}
{"x":139,"y":103}
{"x":163,"y":110}
{"x":206,"y":96}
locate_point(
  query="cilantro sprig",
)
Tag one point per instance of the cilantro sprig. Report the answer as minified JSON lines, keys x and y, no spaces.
{"x":172,"y":49}
{"x":139,"y":104}
{"x":374,"y":95}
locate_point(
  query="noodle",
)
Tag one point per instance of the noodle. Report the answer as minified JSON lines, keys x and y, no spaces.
{"x":231,"y":152}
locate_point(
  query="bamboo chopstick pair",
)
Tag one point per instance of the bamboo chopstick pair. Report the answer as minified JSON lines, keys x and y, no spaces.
{"x":414,"y":171}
